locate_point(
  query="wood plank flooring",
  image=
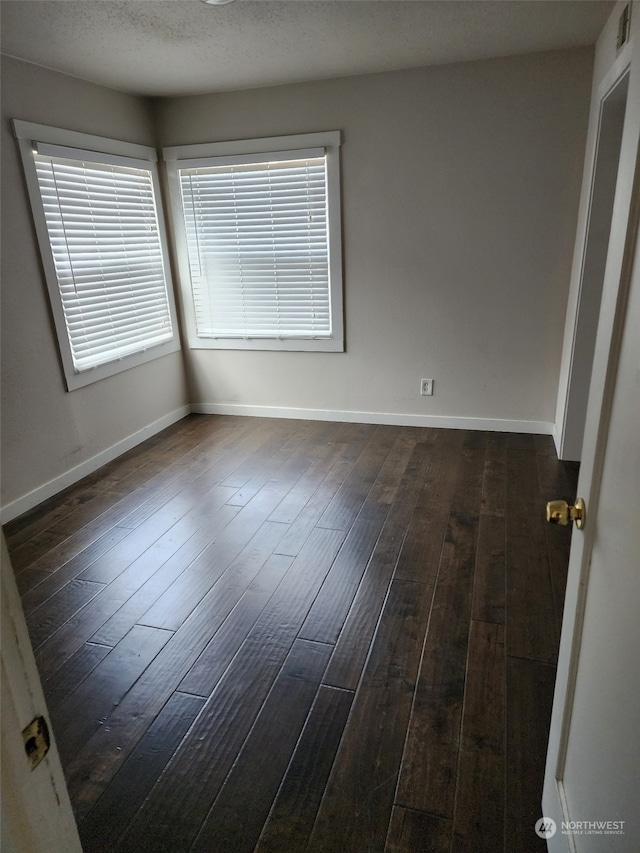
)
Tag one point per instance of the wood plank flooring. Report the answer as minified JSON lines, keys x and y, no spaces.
{"x":282,"y":636}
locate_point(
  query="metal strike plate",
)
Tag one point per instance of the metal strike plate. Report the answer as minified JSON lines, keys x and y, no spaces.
{"x":36,"y":741}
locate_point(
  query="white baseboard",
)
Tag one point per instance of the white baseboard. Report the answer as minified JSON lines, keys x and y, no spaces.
{"x":441,"y":421}
{"x":52,"y":487}
{"x":556,"y":439}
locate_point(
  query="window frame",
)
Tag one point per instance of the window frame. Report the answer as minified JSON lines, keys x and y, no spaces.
{"x":186,"y":156}
{"x":28,"y":134}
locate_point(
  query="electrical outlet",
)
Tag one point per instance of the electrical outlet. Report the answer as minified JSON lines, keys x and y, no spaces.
{"x":426,"y":387}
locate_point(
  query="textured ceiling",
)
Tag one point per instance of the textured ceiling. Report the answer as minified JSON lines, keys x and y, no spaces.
{"x":180,"y":47}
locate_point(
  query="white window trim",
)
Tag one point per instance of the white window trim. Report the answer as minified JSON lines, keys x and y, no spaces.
{"x":184,"y":156}
{"x":27,"y":133}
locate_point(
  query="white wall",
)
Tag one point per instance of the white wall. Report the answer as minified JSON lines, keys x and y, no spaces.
{"x":460,"y":196}
{"x":46,"y":431}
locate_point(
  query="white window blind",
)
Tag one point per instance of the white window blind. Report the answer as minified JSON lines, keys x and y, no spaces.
{"x":105,"y":241}
{"x":257,"y":241}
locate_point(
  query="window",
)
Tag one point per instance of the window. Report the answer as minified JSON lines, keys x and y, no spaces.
{"x":103,"y":249}
{"x":259,"y":242}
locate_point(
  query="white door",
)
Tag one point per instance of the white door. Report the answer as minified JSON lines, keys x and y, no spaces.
{"x":36,"y":812}
{"x":592,"y":780}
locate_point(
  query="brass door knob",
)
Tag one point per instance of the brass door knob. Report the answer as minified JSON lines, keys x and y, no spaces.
{"x":560,"y":512}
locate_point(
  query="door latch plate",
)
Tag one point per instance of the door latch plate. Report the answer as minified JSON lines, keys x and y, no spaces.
{"x":36,"y":741}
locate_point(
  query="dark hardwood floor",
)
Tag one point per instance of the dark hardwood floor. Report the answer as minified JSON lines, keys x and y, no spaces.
{"x":282,"y":636}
